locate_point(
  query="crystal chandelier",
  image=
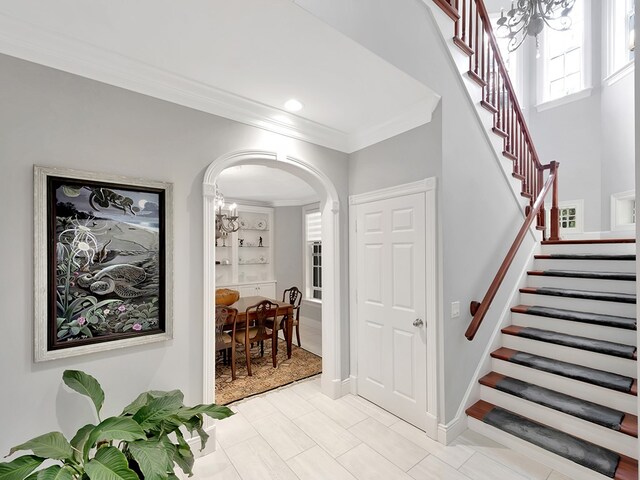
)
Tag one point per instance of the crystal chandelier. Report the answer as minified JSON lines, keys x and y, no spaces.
{"x":225,"y":223}
{"x":528,"y":17}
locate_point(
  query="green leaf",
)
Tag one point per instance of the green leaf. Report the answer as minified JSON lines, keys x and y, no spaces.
{"x":214,"y":411}
{"x":50,"y":445}
{"x":183,"y":456}
{"x":20,"y":468}
{"x":55,"y":472}
{"x":158,"y":409}
{"x":204,"y":436}
{"x":114,"y":428}
{"x":153,"y":457}
{"x":110,"y":464}
{"x":79,"y":440}
{"x":140,"y":401}
{"x":85,"y":384}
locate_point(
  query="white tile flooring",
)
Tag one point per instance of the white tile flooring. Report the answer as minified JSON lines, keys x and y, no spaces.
{"x":296,"y":433}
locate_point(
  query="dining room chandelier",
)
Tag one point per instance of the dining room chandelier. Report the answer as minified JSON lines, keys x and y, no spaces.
{"x":529,"y":17}
{"x":226,"y":223}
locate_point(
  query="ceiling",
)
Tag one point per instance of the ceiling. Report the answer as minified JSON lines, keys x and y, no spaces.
{"x":261,"y":184}
{"x":242,"y":59}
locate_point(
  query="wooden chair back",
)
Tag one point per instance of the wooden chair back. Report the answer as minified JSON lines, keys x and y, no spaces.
{"x":225,"y":320}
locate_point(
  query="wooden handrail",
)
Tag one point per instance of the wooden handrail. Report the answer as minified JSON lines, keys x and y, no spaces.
{"x":479,"y":310}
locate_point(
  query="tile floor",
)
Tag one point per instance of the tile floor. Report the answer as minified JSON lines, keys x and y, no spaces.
{"x":296,"y":433}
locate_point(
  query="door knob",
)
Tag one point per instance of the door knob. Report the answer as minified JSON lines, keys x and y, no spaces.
{"x":418,"y":322}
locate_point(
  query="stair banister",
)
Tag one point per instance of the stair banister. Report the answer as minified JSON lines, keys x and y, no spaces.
{"x":479,"y":309}
{"x":474,"y":35}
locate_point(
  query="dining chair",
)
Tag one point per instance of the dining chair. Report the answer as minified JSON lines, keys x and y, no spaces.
{"x":293,"y":295}
{"x":225,"y":321}
{"x":263,"y":315}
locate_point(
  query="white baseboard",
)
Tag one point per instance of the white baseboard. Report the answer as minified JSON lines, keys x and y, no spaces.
{"x":345,"y":387}
{"x":449,"y":432}
{"x":331,"y":387}
{"x":194,"y":443}
{"x":353,"y":384}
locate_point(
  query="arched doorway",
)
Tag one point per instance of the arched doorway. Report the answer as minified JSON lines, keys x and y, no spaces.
{"x":330,"y":209}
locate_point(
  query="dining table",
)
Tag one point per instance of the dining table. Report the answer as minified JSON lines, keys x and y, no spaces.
{"x":283,"y":309}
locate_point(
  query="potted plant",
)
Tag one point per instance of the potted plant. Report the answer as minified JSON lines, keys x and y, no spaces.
{"x":144,"y":442}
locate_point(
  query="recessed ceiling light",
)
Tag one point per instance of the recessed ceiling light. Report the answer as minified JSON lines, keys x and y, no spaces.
{"x":293,"y":105}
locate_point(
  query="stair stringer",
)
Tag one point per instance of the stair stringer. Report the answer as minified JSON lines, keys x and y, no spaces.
{"x":447,"y":433}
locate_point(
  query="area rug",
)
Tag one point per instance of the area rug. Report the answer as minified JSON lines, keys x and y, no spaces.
{"x":302,"y":364}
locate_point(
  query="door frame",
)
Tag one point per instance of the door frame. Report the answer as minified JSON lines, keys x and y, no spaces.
{"x":428,"y":187}
{"x":331,"y":381}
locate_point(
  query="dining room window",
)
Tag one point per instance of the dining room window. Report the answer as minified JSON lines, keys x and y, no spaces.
{"x":313,"y":254}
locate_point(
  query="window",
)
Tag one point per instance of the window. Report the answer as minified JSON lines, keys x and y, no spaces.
{"x":313,"y":254}
{"x":570,"y":216}
{"x":563,"y":57}
{"x":623,"y":210}
{"x":621,"y":41}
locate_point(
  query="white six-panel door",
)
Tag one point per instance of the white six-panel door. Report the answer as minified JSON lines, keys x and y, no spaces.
{"x":391,"y":276}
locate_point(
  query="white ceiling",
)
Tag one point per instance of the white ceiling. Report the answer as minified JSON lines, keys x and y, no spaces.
{"x":257,"y":183}
{"x":241,"y":59}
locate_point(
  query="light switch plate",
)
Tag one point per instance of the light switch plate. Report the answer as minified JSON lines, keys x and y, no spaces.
{"x":455,"y":309}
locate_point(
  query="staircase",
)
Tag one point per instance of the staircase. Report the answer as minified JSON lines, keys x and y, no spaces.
{"x":563,"y":383}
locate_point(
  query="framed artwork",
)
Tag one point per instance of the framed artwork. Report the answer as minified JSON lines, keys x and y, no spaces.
{"x":103,"y":262}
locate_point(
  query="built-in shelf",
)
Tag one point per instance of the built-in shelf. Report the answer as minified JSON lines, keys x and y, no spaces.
{"x":251,"y":261}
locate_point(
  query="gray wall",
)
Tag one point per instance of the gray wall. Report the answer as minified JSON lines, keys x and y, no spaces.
{"x":478,"y":214}
{"x":405,"y":158}
{"x":618,"y":143}
{"x":288,"y":248}
{"x":572,"y":135}
{"x":48,"y":117}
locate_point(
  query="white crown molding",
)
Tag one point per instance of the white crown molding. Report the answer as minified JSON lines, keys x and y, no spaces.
{"x":414,"y":116}
{"x":29,"y":42}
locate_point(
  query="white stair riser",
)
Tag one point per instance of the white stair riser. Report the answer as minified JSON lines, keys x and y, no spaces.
{"x":608,"y":363}
{"x":596,"y":248}
{"x":604,"y":396}
{"x":591,"y":432}
{"x":580,"y":304}
{"x":590,"y":284}
{"x":556,"y":462}
{"x":585,"y":265}
{"x":610,"y":334}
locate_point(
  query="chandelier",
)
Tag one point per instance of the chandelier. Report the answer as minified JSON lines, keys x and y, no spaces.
{"x":528,"y":17}
{"x":225,"y":223}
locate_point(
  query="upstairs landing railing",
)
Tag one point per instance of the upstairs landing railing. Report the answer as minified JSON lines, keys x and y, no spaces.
{"x":473,"y":34}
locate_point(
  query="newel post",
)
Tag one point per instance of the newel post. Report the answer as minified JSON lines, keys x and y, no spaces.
{"x":555,"y":213}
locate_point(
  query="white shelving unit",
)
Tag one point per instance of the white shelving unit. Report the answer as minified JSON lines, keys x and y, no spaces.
{"x":246,"y":256}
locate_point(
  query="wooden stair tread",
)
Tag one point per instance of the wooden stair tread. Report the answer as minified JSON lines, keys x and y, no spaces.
{"x":584,"y":256}
{"x":587,"y":454}
{"x":580,"y":373}
{"x":581,"y":294}
{"x":626,"y":323}
{"x":582,"y":409}
{"x":573,"y":341}
{"x":623,"y":276}
{"x":589,"y":241}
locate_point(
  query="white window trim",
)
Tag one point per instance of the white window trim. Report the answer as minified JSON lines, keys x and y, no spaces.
{"x":611,"y":74}
{"x":616,"y":200}
{"x":312,"y":208}
{"x":618,"y":75}
{"x":587,"y":68}
{"x":573,"y":97}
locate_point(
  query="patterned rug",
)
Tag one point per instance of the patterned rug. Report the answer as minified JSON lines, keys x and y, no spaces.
{"x":302,"y":364}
